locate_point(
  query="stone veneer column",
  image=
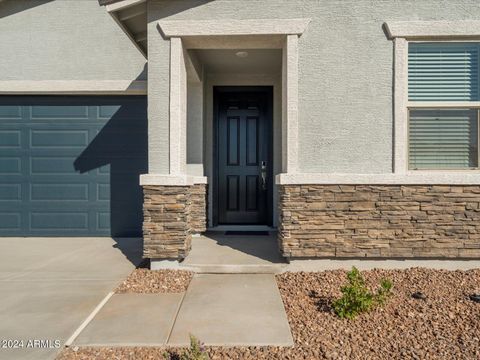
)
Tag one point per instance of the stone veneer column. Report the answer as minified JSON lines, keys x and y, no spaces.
{"x":406,"y":221}
{"x":171,"y":215}
{"x":166,"y":224}
{"x":198,"y":208}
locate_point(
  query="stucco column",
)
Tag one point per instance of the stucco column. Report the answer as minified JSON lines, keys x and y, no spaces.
{"x":167,"y":226}
{"x":290,"y":105}
{"x":178,"y":109}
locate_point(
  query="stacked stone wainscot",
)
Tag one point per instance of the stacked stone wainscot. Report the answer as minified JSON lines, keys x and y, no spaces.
{"x":386,"y":221}
{"x":166,"y":210}
{"x":198,"y":208}
{"x":171,"y":215}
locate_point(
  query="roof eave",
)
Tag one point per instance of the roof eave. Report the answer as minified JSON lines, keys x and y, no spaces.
{"x":125,"y":10}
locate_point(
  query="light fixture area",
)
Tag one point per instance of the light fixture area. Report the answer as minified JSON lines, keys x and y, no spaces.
{"x":241,"y":54}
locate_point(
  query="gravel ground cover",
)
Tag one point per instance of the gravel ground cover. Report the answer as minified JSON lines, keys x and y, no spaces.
{"x":444,"y":325}
{"x":146,"y":281}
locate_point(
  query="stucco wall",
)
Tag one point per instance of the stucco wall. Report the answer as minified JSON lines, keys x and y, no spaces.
{"x":345,"y":71}
{"x":64,"y":40}
{"x":195,"y":128}
{"x":158,"y":90}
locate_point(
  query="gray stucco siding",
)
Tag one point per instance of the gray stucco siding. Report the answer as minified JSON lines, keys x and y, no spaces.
{"x":158,"y":92}
{"x":195,"y":127}
{"x":64,"y":40}
{"x":345,"y":71}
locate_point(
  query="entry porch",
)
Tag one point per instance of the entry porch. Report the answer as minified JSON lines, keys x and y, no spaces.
{"x":231,"y":130}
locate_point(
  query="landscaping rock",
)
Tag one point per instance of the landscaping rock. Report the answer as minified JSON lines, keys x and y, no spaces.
{"x":444,"y":326}
{"x":146,"y":281}
{"x":419,"y":295}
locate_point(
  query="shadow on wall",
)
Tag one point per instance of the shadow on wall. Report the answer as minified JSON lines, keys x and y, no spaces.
{"x":11,"y":7}
{"x":122,"y":144}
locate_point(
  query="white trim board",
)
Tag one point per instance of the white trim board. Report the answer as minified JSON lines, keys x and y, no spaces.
{"x":425,"y":29}
{"x":122,"y":5}
{"x":232,"y":27}
{"x":171,"y":180}
{"x":443,"y":104}
{"x":410,"y":178}
{"x":400,"y":111}
{"x":73,"y":87}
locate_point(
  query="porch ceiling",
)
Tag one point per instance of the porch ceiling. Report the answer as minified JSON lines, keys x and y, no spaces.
{"x":226,"y":61}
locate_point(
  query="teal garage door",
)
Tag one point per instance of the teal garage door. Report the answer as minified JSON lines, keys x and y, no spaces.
{"x":70,"y":165}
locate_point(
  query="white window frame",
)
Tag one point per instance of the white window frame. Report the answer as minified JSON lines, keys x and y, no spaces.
{"x":406,"y":32}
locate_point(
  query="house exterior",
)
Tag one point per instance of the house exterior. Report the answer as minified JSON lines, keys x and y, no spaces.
{"x":350,"y":126}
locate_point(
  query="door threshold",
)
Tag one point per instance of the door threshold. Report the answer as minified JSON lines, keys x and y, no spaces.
{"x":223,"y":228}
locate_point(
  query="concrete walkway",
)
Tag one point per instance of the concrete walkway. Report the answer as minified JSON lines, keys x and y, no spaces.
{"x":215,"y":252}
{"x":48,"y":286}
{"x":219,"y":309}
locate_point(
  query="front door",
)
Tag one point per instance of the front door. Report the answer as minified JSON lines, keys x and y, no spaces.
{"x":243,"y":155}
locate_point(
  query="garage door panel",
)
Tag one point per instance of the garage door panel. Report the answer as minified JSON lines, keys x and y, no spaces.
{"x":71,"y":165}
{"x":103,"y":192}
{"x":49,"y":111}
{"x":58,"y":220}
{"x":8,"y":112}
{"x":59,"y":192}
{"x":10,"y":165}
{"x":10,"y":192}
{"x":127,"y":220}
{"x":107,"y":111}
{"x":114,"y":150}
{"x":10,"y":139}
{"x":103,"y":170}
{"x":58,"y":138}
{"x":11,"y":222}
{"x":52,"y":165}
{"x":103,"y":221}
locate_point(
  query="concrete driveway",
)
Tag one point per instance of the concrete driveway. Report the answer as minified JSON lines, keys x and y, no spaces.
{"x":48,"y":286}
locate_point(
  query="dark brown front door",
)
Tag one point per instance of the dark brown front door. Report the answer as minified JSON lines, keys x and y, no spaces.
{"x":243,"y":155}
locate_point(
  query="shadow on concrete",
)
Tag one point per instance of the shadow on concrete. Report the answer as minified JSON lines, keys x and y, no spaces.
{"x":261,"y":247}
{"x":132,"y":249}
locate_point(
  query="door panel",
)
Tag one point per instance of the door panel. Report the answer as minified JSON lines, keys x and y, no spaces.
{"x":70,"y":165}
{"x":243,"y":148}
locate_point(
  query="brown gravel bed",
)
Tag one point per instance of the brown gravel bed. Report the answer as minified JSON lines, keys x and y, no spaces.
{"x":444,"y":326}
{"x":146,"y":281}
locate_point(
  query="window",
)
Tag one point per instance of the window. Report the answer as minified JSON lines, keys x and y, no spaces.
{"x":443,"y":98}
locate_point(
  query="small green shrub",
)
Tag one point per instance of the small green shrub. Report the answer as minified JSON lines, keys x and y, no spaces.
{"x":196,"y":351}
{"x":357,"y":299}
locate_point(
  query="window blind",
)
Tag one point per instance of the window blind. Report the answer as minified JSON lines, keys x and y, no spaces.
{"x":443,"y":139}
{"x":443,"y":71}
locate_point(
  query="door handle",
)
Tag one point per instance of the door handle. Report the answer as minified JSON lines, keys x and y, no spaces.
{"x":263,"y":173}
